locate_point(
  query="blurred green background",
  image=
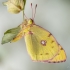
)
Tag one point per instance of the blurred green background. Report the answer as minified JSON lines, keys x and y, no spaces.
{"x":53,"y":15}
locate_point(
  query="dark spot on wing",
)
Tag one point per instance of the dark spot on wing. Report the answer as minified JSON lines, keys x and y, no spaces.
{"x":54,"y":62}
{"x":52,"y":41}
{"x":49,"y":35}
{"x":58,"y":54}
{"x":41,"y":54}
{"x":61,"y":48}
{"x":58,"y":44}
{"x":49,"y":62}
{"x":52,"y":46}
{"x":47,"y":53}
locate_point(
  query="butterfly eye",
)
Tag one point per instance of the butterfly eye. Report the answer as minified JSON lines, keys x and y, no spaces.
{"x":30,"y":22}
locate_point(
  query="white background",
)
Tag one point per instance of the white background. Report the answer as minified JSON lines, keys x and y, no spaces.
{"x":53,"y":15}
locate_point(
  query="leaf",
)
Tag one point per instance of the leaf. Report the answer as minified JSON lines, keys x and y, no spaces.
{"x":10,"y":34}
{"x":13,"y":30}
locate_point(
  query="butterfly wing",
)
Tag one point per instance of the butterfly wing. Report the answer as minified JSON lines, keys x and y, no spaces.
{"x":61,"y":57}
{"x":41,"y":45}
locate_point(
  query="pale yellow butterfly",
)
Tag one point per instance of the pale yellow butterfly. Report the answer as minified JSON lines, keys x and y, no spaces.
{"x":40,"y":43}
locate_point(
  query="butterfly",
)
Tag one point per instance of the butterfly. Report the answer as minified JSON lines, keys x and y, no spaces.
{"x":41,"y":44}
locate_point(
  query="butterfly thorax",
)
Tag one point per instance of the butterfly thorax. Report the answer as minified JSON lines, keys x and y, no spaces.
{"x":27,"y":24}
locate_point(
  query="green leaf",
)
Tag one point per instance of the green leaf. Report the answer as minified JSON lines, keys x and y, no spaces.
{"x":13,"y":30}
{"x":10,"y":34}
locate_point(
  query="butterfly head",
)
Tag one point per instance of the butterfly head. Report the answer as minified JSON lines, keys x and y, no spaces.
{"x":30,"y":21}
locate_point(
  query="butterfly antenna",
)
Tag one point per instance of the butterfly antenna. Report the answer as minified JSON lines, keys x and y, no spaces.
{"x":35,"y":10}
{"x":32,"y":10}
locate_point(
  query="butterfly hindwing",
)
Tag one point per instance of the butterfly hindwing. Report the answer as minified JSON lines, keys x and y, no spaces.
{"x":61,"y":57}
{"x":41,"y":45}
